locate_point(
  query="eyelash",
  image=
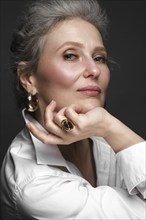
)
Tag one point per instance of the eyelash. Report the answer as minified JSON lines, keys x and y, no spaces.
{"x":100,"y":59}
{"x":72,"y":57}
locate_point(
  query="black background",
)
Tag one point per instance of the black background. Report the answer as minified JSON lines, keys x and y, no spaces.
{"x":126,"y":45}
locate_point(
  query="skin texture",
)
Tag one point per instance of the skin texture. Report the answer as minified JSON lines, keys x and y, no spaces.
{"x":73,"y":72}
{"x":72,"y":59}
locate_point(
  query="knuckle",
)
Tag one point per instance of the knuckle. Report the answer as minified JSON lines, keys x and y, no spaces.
{"x":47,"y":124}
{"x":56,"y":118}
{"x":80,"y":124}
{"x":68,"y":110}
{"x":44,"y":141}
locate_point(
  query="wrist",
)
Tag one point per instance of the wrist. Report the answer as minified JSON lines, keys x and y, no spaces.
{"x":119,"y":136}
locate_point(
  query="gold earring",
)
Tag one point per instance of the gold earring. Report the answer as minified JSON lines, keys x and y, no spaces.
{"x":32,"y":103}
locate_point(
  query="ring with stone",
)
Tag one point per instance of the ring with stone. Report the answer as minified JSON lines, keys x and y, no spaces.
{"x":67,"y":125}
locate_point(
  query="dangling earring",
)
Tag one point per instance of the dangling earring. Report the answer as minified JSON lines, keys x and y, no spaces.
{"x":32,"y":103}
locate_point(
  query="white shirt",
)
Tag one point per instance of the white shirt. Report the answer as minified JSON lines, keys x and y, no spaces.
{"x":36,"y":178}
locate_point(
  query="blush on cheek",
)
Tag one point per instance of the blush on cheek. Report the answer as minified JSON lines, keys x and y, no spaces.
{"x":59,"y":75}
{"x":58,"y":72}
{"x":67,"y":73}
{"x":64,"y":76}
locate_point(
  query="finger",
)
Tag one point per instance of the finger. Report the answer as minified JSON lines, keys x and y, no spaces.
{"x":49,"y":123}
{"x":44,"y":137}
{"x":49,"y":111}
{"x":82,"y":108}
{"x":65,"y":123}
{"x":59,"y":116}
{"x":72,"y":114}
{"x":67,"y":112}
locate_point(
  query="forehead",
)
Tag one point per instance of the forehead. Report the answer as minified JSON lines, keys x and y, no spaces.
{"x":77,"y":30}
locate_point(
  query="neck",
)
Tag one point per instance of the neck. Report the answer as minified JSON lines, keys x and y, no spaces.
{"x":76,"y":151}
{"x":81,"y":155}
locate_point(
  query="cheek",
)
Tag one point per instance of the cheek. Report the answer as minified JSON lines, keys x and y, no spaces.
{"x":106,"y":78}
{"x":63,"y":75}
{"x":58,"y":74}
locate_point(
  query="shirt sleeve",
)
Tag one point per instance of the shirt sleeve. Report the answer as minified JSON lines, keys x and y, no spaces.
{"x":131,"y":164}
{"x":55,"y":197}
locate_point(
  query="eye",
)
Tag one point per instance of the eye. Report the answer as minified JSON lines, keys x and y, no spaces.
{"x":100,"y":59}
{"x":70,"y":56}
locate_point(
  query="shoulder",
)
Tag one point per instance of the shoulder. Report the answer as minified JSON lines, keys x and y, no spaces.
{"x":20,"y":165}
{"x":21,"y":147}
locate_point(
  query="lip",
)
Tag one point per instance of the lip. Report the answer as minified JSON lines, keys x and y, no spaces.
{"x":90,"y":90}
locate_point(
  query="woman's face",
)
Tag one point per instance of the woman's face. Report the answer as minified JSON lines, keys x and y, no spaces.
{"x":72,"y":66}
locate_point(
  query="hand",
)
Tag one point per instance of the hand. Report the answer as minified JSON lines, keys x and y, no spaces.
{"x":88,"y":121}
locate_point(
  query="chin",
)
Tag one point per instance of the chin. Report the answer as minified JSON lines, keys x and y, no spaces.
{"x":93,"y":103}
{"x":96,"y":102}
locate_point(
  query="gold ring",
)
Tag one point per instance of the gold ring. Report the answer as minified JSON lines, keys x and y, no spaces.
{"x":67,"y":125}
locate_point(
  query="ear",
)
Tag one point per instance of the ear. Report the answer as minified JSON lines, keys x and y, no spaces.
{"x":27,"y":80}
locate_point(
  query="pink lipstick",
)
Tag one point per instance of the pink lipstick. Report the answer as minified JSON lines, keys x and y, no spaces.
{"x":90,"y":90}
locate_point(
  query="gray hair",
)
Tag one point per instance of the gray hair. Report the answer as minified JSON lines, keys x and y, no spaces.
{"x":28,"y":40}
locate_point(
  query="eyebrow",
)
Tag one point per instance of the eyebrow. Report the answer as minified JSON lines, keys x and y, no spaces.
{"x":78,"y":44}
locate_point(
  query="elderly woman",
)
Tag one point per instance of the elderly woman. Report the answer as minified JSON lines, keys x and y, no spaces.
{"x":74,"y":159}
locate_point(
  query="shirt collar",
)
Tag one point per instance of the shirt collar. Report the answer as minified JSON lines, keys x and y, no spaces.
{"x":45,"y":153}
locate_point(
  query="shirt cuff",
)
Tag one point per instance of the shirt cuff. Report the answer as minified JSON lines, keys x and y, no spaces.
{"x":131,"y":162}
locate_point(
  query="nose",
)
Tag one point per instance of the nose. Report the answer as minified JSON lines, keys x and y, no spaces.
{"x":92,"y":69}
